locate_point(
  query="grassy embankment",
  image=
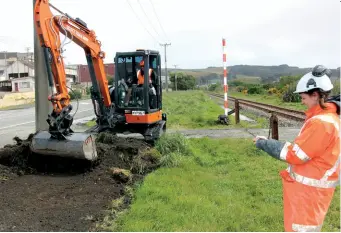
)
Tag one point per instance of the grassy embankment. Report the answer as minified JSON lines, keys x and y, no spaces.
{"x":211,"y":185}
{"x":207,"y":184}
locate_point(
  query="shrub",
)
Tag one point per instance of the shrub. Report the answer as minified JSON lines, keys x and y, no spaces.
{"x":289,"y":95}
{"x":75,"y":94}
{"x":240,"y":88}
{"x":255,"y":90}
{"x":214,"y":87}
{"x":273,"y":91}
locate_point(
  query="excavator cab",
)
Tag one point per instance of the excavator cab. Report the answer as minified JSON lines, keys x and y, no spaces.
{"x":131,"y":94}
{"x":139,"y":103}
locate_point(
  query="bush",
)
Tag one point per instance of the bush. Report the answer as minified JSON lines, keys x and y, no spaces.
{"x":87,"y":90}
{"x":184,"y":81}
{"x":240,"y":88}
{"x":214,"y":87}
{"x":336,"y":89}
{"x":75,"y":94}
{"x":289,"y":95}
{"x":273,"y":91}
{"x":288,"y":80}
{"x":235,"y":83}
{"x":110,"y":80}
{"x":255,"y":90}
{"x":268,"y":86}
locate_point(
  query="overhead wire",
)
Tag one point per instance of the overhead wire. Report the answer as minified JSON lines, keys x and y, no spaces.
{"x":144,"y":12}
{"x":142,"y":22}
{"x":158,"y":20}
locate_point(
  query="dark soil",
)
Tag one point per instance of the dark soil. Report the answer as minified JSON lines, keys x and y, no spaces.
{"x":44,"y":193}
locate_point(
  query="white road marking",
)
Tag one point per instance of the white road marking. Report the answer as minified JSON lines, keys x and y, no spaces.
{"x":11,"y":126}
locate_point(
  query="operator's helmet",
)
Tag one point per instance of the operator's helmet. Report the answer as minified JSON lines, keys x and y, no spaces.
{"x":318,"y":78}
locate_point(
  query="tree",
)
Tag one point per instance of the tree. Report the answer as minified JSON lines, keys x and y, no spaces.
{"x":288,"y":80}
{"x":110,"y":80}
{"x":184,"y":81}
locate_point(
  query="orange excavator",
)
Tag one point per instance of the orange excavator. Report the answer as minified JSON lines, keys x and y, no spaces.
{"x":128,"y":106}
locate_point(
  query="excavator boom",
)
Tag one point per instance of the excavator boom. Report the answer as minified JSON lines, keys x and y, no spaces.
{"x":140,"y":111}
{"x":60,"y":139}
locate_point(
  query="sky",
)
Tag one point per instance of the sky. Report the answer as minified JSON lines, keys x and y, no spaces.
{"x":299,"y":33}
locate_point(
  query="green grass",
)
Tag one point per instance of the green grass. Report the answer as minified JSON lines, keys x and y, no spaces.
{"x":248,"y":79}
{"x":191,"y":110}
{"x":90,"y":123}
{"x":267,"y":99}
{"x":222,"y":185}
{"x":259,"y":122}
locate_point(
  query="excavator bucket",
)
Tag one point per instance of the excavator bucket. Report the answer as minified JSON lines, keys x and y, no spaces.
{"x":76,"y":145}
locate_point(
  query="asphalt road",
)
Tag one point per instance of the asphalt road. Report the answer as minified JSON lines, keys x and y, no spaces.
{"x":21,"y":122}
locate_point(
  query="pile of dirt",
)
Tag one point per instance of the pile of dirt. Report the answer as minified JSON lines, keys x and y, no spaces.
{"x":45,"y":193}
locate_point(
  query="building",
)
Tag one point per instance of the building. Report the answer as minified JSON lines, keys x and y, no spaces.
{"x":17,"y":72}
{"x":23,"y":84}
{"x":84,"y":74}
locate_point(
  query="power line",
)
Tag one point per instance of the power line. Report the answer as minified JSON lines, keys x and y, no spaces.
{"x":148,"y":18}
{"x":158,"y":20}
{"x":141,"y":22}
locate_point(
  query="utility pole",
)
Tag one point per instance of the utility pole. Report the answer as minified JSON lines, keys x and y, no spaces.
{"x":165,"y":45}
{"x":42,"y":105}
{"x":18,"y":66}
{"x":27,"y":56}
{"x":176,"y":85}
{"x":6,"y":65}
{"x":27,"y":52}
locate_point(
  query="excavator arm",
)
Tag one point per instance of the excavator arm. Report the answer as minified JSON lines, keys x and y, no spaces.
{"x":48,"y":27}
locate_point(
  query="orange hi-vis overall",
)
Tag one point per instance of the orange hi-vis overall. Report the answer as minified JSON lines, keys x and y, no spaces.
{"x":140,"y":77}
{"x":314,"y":169}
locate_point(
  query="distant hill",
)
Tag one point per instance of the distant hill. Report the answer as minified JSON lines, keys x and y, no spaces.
{"x":265,"y":73}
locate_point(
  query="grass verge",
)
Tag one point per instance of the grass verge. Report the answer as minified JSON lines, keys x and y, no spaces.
{"x":258,"y":121}
{"x":267,"y":99}
{"x":191,"y":110}
{"x":211,"y":185}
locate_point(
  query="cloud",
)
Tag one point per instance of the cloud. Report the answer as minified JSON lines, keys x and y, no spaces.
{"x":301,"y":33}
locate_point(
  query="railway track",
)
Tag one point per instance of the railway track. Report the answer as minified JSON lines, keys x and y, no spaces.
{"x":284,"y":112}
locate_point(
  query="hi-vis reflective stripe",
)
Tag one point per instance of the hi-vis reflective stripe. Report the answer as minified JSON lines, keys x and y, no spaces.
{"x":325,"y":118}
{"x":313,"y":182}
{"x":332,"y":170}
{"x":329,"y":119}
{"x":306,"y":228}
{"x":284,"y":151}
{"x":300,"y":153}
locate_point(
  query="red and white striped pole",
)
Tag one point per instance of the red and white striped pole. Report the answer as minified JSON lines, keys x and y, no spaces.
{"x":225,"y":77}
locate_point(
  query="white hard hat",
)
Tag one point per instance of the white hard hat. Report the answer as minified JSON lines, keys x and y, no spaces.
{"x":318,"y":78}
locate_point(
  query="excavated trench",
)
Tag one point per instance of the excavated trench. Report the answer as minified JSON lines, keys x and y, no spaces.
{"x":44,"y":193}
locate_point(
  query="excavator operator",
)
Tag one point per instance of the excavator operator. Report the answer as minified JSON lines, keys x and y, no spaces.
{"x":140,"y":82}
{"x":140,"y":74}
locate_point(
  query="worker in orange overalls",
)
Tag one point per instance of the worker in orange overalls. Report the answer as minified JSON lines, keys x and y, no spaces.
{"x":140,"y":74}
{"x":140,"y":82}
{"x":314,"y":158}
